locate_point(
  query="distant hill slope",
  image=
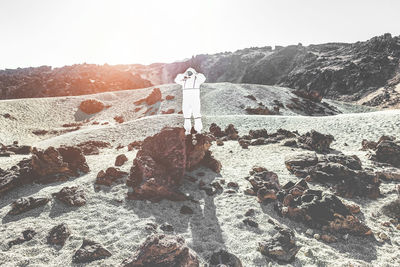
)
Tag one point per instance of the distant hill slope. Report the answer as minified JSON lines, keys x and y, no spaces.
{"x":367,"y":72}
{"x":339,"y":71}
{"x":77,"y":79}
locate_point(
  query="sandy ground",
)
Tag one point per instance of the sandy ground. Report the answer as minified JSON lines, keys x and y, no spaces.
{"x":217,"y":220}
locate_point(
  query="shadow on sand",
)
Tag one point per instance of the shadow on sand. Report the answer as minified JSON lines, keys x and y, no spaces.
{"x":206,"y":233}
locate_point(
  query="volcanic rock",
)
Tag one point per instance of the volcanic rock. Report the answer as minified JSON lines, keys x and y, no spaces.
{"x":169,"y":111}
{"x":91,"y":106}
{"x":388,"y":151}
{"x":265,"y":184}
{"x":162,"y":160}
{"x":134,"y":144}
{"x":216,"y":130}
{"x":25,"y":236}
{"x":343,"y":172}
{"x":92,"y":147}
{"x":282,"y":246}
{"x":120,"y":160}
{"x":109,"y":176}
{"x":58,"y":235}
{"x":169,"y":97}
{"x":392,"y":209}
{"x":73,"y":196}
{"x":154,"y":97}
{"x":224,"y":258}
{"x":15,"y":149}
{"x":316,"y":141}
{"x":119,"y":119}
{"x":163,"y":250}
{"x":90,"y":251}
{"x":24,"y":204}
{"x":317,"y":209}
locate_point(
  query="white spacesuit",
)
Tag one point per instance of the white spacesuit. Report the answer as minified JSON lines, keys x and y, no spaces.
{"x":191,"y":81}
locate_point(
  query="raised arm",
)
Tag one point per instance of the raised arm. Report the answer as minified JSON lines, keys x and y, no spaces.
{"x":200,"y":78}
{"x":179,"y":79}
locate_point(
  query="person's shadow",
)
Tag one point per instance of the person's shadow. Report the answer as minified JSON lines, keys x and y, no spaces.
{"x":206,"y":234}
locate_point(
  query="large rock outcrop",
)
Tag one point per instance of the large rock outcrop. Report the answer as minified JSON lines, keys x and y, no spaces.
{"x":162,"y":160}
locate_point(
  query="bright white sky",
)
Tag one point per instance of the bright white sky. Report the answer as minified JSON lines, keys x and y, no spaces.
{"x":57,"y":33}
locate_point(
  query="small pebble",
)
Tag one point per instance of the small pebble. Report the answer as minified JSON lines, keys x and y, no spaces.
{"x":309,"y":232}
{"x":346,"y":236}
{"x":309,"y":253}
{"x":383,"y":236}
{"x":317,"y":236}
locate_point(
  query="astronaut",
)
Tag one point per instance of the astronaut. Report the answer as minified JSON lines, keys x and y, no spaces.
{"x":191,"y":81}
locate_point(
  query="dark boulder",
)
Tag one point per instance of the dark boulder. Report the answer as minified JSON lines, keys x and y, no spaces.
{"x":72,"y":196}
{"x":24,"y":236}
{"x":317,"y":209}
{"x":24,"y":204}
{"x":265,"y":184}
{"x":90,"y":251}
{"x":163,"y":250}
{"x":109,"y":176}
{"x":282,"y":246}
{"x":224,"y":258}
{"x":316,"y":141}
{"x":92,"y":147}
{"x":58,"y":235}
{"x":120,"y":160}
{"x":342,"y":172}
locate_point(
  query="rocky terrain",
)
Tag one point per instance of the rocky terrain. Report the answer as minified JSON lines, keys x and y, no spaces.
{"x":366,"y":72}
{"x":79,"y":79}
{"x":110,"y":179}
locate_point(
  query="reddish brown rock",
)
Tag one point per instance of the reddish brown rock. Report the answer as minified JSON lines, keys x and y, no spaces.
{"x":231,"y":132}
{"x":344,"y":173}
{"x":162,"y":160}
{"x":45,"y":166}
{"x":92,"y":147}
{"x":318,"y":209}
{"x":119,"y":119}
{"x":216,"y":130}
{"x":15,"y":149}
{"x":261,"y":111}
{"x":154,"y":97}
{"x":24,"y":204}
{"x":90,"y":251}
{"x":316,"y":141}
{"x":265,"y":184}
{"x":72,"y":196}
{"x":163,"y":250}
{"x":282,"y":246}
{"x":134,"y":144}
{"x":58,"y":235}
{"x":169,"y":111}
{"x":169,"y":97}
{"x":109,"y":176}
{"x":91,"y":106}
{"x":24,"y":236}
{"x":120,"y":160}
